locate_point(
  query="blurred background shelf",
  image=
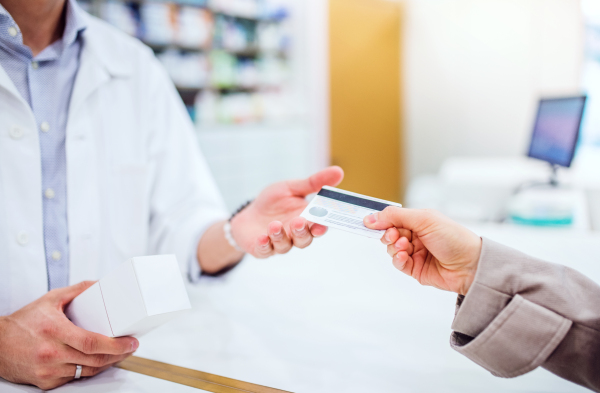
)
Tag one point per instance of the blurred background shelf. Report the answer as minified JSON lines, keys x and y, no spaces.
{"x":239,"y":67}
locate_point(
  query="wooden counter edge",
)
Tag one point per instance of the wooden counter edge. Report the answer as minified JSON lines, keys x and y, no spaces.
{"x":193,"y":378}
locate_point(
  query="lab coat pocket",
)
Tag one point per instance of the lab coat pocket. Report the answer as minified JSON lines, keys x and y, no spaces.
{"x":129,"y":210}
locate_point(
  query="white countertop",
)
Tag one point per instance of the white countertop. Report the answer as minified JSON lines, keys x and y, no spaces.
{"x":337,"y":317}
{"x":112,"y":380}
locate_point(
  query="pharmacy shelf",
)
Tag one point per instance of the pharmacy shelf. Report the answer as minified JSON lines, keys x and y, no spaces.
{"x":214,"y":10}
{"x":263,"y":129}
{"x":188,"y":94}
{"x":180,"y":59}
{"x":250,"y":52}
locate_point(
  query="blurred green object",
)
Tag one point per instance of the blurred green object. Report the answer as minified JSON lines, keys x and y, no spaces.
{"x":543,"y":207}
{"x":223,"y":67}
{"x":543,"y":222}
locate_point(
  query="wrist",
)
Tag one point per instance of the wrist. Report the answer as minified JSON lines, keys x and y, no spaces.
{"x":470,"y":270}
{"x":236,"y":225}
{"x":234,"y":228}
{"x":3,"y":328}
{"x":228,"y":233}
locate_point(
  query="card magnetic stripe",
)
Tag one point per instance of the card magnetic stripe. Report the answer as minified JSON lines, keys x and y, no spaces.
{"x":354,"y":200}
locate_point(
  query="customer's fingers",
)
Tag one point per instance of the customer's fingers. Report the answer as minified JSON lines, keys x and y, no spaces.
{"x":401,"y":245}
{"x":411,"y":219}
{"x":390,"y":236}
{"x":279,"y":239}
{"x":301,"y":235}
{"x":263,"y":247}
{"x":403,"y":262}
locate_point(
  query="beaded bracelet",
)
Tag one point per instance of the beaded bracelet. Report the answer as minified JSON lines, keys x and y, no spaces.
{"x":227,"y":227}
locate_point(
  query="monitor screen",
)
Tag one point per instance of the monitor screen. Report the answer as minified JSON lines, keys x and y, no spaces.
{"x":556,"y":129}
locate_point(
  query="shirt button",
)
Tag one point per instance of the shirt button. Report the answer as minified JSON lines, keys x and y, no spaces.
{"x":45,"y":126}
{"x":12,"y":31}
{"x":22,"y":238}
{"x":56,"y":255}
{"x":16,"y":132}
{"x":49,"y":193}
{"x":35,"y":65}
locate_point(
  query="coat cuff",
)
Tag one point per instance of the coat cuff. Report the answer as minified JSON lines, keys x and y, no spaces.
{"x":519,"y":339}
{"x":495,"y":326}
{"x":484,"y":301}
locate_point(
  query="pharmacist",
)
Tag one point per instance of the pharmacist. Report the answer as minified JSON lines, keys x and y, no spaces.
{"x":98,"y":163}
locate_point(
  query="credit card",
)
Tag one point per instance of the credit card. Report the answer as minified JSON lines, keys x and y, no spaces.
{"x":345,"y":210}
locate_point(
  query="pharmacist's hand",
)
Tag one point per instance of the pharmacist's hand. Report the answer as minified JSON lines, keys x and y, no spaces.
{"x":437,"y":251}
{"x":271,"y":223}
{"x":40,"y":346}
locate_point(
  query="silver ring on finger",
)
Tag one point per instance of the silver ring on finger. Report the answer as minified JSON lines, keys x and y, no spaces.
{"x":78,"y":371}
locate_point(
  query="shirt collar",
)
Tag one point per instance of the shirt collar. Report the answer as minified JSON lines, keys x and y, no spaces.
{"x":3,"y":12}
{"x":75,"y":23}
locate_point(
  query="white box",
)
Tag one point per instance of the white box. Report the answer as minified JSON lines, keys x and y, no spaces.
{"x":141,"y":294}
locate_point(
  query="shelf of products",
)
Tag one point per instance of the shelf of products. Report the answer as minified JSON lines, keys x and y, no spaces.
{"x":229,"y":59}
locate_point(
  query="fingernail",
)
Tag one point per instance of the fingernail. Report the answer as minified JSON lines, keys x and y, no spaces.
{"x":386,"y":238}
{"x":134,"y":345}
{"x":277,"y":233}
{"x":372,"y":218}
{"x":301,"y":231}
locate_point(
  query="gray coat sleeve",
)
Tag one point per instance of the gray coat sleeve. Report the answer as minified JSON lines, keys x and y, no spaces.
{"x":521,"y":313}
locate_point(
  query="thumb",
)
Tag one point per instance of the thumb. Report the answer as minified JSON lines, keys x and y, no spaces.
{"x":331,"y":176}
{"x":398,"y":217}
{"x":67,"y":294}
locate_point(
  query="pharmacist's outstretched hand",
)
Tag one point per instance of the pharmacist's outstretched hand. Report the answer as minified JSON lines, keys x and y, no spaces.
{"x":40,"y":346}
{"x":437,"y":251}
{"x":271,"y":223}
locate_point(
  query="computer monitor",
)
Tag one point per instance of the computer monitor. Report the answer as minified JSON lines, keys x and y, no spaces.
{"x":556,"y":129}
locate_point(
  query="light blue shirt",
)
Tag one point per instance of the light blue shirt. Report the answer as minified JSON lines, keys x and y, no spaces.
{"x":46,"y":83}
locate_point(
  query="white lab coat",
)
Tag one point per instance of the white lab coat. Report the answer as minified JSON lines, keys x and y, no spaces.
{"x":137,"y":183}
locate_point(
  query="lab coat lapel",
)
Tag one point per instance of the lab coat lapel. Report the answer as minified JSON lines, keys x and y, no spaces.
{"x":7,"y":84}
{"x":91,"y":75}
{"x":22,"y":257}
{"x":101,"y":62}
{"x":83,"y":202}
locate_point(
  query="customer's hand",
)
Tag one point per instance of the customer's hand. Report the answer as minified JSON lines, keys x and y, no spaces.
{"x":40,"y":346}
{"x":436,"y":251}
{"x":270,"y":225}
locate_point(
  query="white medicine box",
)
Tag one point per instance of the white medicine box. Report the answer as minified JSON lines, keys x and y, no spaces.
{"x":141,"y":294}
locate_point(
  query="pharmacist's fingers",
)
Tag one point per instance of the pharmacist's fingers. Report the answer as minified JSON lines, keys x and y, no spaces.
{"x":301,"y":235}
{"x":65,"y":295}
{"x":67,"y":371}
{"x":263,"y":247}
{"x":93,"y":343}
{"x":96,"y":361}
{"x":317,"y":230}
{"x":92,"y":371}
{"x":279,"y":239}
